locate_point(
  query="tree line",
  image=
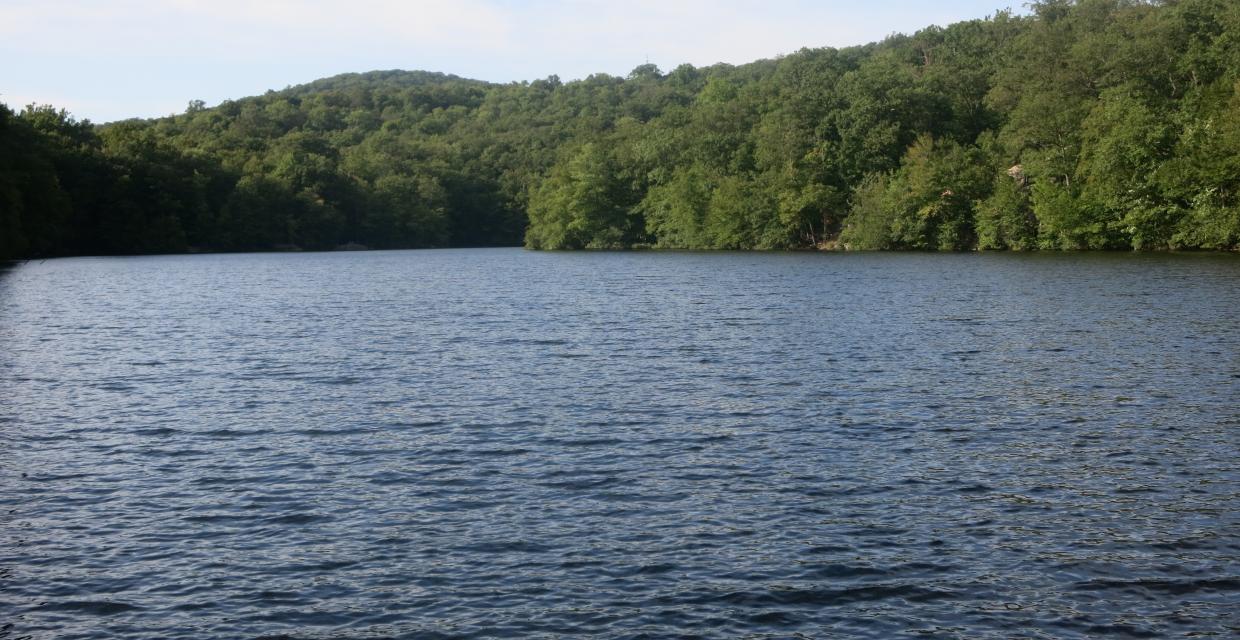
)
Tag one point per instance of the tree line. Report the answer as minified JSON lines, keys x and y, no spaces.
{"x":1088,"y":124}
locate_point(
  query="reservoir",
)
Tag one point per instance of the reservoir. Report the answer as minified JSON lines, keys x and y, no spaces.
{"x":501,"y":443}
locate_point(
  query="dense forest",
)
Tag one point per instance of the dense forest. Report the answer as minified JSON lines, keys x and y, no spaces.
{"x":1088,"y":124}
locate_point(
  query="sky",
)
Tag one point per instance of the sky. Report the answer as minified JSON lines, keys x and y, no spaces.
{"x":108,"y":60}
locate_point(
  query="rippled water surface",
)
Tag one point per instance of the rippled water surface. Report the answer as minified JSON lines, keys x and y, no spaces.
{"x":498,"y":443}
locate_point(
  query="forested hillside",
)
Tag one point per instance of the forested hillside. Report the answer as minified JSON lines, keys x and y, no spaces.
{"x":1090,"y":124}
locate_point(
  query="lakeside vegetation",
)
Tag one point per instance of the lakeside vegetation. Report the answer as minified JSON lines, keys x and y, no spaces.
{"x":1089,"y":124}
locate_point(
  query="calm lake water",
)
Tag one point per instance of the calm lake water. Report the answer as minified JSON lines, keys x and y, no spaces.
{"x":499,"y":443}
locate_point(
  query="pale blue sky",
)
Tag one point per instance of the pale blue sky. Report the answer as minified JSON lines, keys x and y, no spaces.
{"x":112,"y":59}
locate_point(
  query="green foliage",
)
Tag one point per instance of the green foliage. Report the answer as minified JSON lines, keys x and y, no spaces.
{"x":1124,"y":144}
{"x":927,"y":204}
{"x":675,"y":211}
{"x":1090,"y":124}
{"x":581,"y":205}
{"x":742,"y":215}
{"x":33,"y":207}
{"x":1005,"y":219}
{"x":1063,"y":220}
{"x":1202,"y":178}
{"x":869,"y":225}
{"x":407,"y":211}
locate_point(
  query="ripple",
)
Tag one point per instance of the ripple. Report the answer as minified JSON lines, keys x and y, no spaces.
{"x":497,"y":443}
{"x":90,"y":607}
{"x":1164,"y":587}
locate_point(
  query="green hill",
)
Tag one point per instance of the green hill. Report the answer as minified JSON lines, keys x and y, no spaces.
{"x":1102,"y":124}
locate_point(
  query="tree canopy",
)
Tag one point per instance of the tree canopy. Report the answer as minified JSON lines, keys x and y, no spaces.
{"x":1089,"y":124}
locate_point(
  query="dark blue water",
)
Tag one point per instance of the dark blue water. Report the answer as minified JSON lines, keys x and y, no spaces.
{"x":497,"y":443}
